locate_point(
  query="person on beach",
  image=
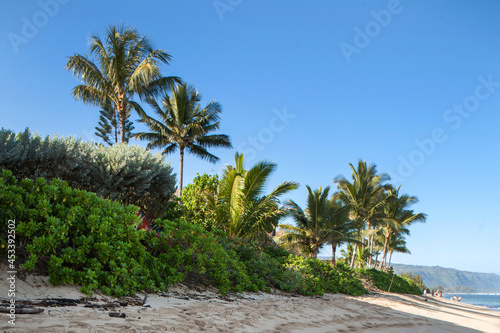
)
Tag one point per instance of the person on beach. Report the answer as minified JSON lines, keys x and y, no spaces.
{"x":454,"y":298}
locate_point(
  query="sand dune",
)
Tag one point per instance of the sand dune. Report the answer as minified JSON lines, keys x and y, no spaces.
{"x":186,"y":310}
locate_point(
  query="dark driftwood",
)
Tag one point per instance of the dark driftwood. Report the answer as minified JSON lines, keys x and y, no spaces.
{"x":22,"y":310}
{"x":48,"y":302}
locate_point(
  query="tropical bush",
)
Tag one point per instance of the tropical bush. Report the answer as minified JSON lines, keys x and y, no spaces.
{"x":414,"y":279}
{"x":194,"y":200}
{"x":185,"y":251}
{"x":79,"y":238}
{"x":73,"y":235}
{"x":129,"y":174}
{"x":384,"y":281}
{"x":315,"y":277}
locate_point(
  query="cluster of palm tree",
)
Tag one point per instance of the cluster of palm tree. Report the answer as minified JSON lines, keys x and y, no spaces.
{"x":125,"y":65}
{"x":366,"y":213}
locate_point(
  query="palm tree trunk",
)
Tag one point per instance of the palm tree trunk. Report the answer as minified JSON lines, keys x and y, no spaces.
{"x":115,"y":126}
{"x":122,"y":129}
{"x":334,"y":248}
{"x":368,"y":226}
{"x":181,"y":170}
{"x":390,"y":257}
{"x":372,"y":242}
{"x":354,"y":254}
{"x":384,"y":255}
{"x":121,"y":106}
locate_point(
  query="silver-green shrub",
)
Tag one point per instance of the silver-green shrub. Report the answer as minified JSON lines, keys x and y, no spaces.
{"x":127,"y":173}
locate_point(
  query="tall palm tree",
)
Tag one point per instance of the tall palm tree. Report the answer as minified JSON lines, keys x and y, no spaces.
{"x":125,"y":65}
{"x":184,"y":125}
{"x":364,"y":196}
{"x":242,"y":208}
{"x":397,"y":217}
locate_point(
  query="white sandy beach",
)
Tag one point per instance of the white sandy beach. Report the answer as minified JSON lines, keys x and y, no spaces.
{"x":187,"y":310}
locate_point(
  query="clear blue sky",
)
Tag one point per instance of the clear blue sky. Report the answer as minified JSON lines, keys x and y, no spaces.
{"x":412,"y":86}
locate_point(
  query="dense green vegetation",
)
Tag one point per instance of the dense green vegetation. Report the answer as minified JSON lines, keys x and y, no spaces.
{"x":77,"y":237}
{"x":129,"y":174}
{"x":194,"y":201}
{"x":390,"y":282}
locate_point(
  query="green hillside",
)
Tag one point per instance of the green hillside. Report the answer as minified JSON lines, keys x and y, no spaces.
{"x":452,"y":280}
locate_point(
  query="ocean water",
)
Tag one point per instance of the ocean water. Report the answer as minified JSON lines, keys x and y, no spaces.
{"x":491,"y":301}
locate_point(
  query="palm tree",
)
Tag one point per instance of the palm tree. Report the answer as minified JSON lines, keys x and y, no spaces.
{"x":184,"y":125}
{"x":340,"y":228}
{"x":364,"y":196}
{"x":397,"y":243}
{"x":346,"y":254}
{"x":242,"y":208}
{"x":362,"y":256}
{"x":310,"y":233}
{"x":125,"y":65}
{"x":397,"y":217}
{"x":325,"y":221}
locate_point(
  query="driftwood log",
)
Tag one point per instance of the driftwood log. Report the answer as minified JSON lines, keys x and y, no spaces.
{"x":22,"y":310}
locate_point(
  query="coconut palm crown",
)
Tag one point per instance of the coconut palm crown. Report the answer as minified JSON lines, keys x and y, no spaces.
{"x":124,"y":65}
{"x":183,"y":124}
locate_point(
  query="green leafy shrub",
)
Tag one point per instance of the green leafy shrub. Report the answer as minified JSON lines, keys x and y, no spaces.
{"x":74,"y":236}
{"x":129,"y":174}
{"x":194,"y":202}
{"x":264,"y":270}
{"x":273,"y":266}
{"x":314,"y":277}
{"x":414,"y":280}
{"x":185,"y":251}
{"x":79,"y":238}
{"x":383,"y":281}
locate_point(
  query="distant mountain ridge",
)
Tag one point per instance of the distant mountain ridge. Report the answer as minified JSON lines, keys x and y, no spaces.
{"x":453,"y":280}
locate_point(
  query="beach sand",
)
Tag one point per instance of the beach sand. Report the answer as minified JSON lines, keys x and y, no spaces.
{"x":188,"y":310}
